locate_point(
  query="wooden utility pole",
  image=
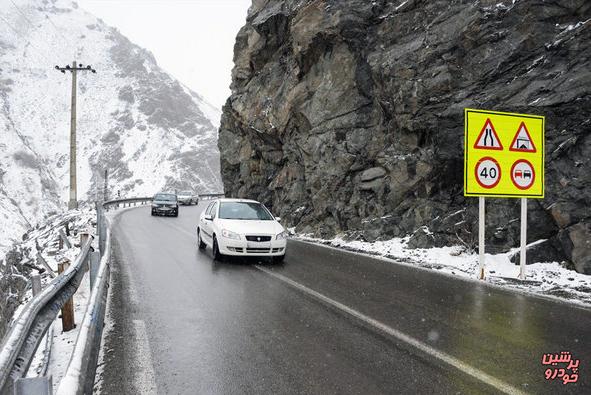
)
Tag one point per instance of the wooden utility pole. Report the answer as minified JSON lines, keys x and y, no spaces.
{"x":73,"y":202}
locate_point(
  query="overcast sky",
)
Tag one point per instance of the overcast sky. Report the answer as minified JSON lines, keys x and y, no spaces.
{"x":191,"y":39}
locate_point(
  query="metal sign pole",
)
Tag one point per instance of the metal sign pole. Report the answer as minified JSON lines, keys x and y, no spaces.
{"x":522,"y":255}
{"x":481,"y":237}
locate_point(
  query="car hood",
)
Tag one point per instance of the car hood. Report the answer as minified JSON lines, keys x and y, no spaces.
{"x":184,"y":196}
{"x":251,"y":227}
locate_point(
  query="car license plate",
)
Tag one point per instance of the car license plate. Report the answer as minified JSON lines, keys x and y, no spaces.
{"x":256,"y":244}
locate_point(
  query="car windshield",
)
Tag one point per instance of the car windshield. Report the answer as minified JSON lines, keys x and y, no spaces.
{"x":244,"y":210}
{"x":185,"y":193}
{"x":167,"y":197}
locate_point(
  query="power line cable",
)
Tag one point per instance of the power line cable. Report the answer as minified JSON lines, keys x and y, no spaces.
{"x":67,"y":40}
{"x":36,"y":27}
{"x":37,"y":50}
{"x":22,"y":13}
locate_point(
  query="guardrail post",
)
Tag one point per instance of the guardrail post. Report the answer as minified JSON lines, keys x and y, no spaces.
{"x":33,"y":385}
{"x":95,"y":261}
{"x":103,"y":233}
{"x":98,"y":224}
{"x":68,"y":309}
{"x":36,"y":284}
{"x":84,"y":236}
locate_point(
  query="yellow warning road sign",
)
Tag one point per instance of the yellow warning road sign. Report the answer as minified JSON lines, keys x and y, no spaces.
{"x":503,"y":154}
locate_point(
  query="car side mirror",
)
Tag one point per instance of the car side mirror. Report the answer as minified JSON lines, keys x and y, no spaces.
{"x":208,"y":217}
{"x":278,"y":219}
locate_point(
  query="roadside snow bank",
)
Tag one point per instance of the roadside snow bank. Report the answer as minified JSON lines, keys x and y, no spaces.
{"x":549,"y":279}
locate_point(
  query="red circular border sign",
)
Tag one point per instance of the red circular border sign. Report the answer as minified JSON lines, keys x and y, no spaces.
{"x":533,"y":172}
{"x":476,"y":172}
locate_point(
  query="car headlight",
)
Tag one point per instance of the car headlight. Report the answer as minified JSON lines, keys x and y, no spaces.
{"x":281,"y":236}
{"x":230,"y":235}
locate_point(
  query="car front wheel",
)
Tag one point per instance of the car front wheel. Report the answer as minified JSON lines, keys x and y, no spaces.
{"x":200,"y":242}
{"x":217,"y":255}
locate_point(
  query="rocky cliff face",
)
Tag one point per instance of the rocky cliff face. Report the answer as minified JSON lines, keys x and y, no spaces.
{"x":346,"y":116}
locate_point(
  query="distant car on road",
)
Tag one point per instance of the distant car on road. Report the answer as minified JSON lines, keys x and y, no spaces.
{"x":165,"y":204}
{"x":187,"y":197}
{"x":241,"y":227}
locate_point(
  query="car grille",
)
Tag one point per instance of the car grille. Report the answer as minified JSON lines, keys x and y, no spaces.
{"x":257,"y":250}
{"x":258,"y":238}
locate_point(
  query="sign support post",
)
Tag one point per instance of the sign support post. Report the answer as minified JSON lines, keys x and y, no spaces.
{"x":481,"y":229}
{"x":504,"y":157}
{"x":523,"y":253}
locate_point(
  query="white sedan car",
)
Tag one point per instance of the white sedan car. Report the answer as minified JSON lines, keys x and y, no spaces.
{"x":242,"y":228}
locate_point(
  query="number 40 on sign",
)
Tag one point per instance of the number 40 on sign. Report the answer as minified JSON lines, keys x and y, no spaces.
{"x":503,"y":157}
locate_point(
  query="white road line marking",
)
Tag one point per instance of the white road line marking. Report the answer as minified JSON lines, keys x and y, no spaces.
{"x":448,"y":359}
{"x":143,"y":377}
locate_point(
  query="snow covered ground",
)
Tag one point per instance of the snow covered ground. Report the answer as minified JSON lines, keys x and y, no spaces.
{"x":544,"y":278}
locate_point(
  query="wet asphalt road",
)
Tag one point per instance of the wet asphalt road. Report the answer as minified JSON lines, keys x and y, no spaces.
{"x":325,"y":322}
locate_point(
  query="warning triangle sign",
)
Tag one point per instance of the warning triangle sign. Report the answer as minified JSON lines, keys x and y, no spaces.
{"x":522,"y":141}
{"x":488,"y":138}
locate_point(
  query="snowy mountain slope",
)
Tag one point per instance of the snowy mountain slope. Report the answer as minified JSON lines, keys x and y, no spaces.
{"x":134,"y":120}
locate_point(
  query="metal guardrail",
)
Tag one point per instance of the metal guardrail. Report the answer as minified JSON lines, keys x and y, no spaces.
{"x":210,"y":196}
{"x":80,"y":374}
{"x":24,"y":336}
{"x":130,"y":202}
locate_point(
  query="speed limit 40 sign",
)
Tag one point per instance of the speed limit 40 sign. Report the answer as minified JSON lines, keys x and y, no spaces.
{"x":503,"y":154}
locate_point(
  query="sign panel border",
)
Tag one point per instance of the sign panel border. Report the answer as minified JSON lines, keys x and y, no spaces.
{"x":542,"y":149}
